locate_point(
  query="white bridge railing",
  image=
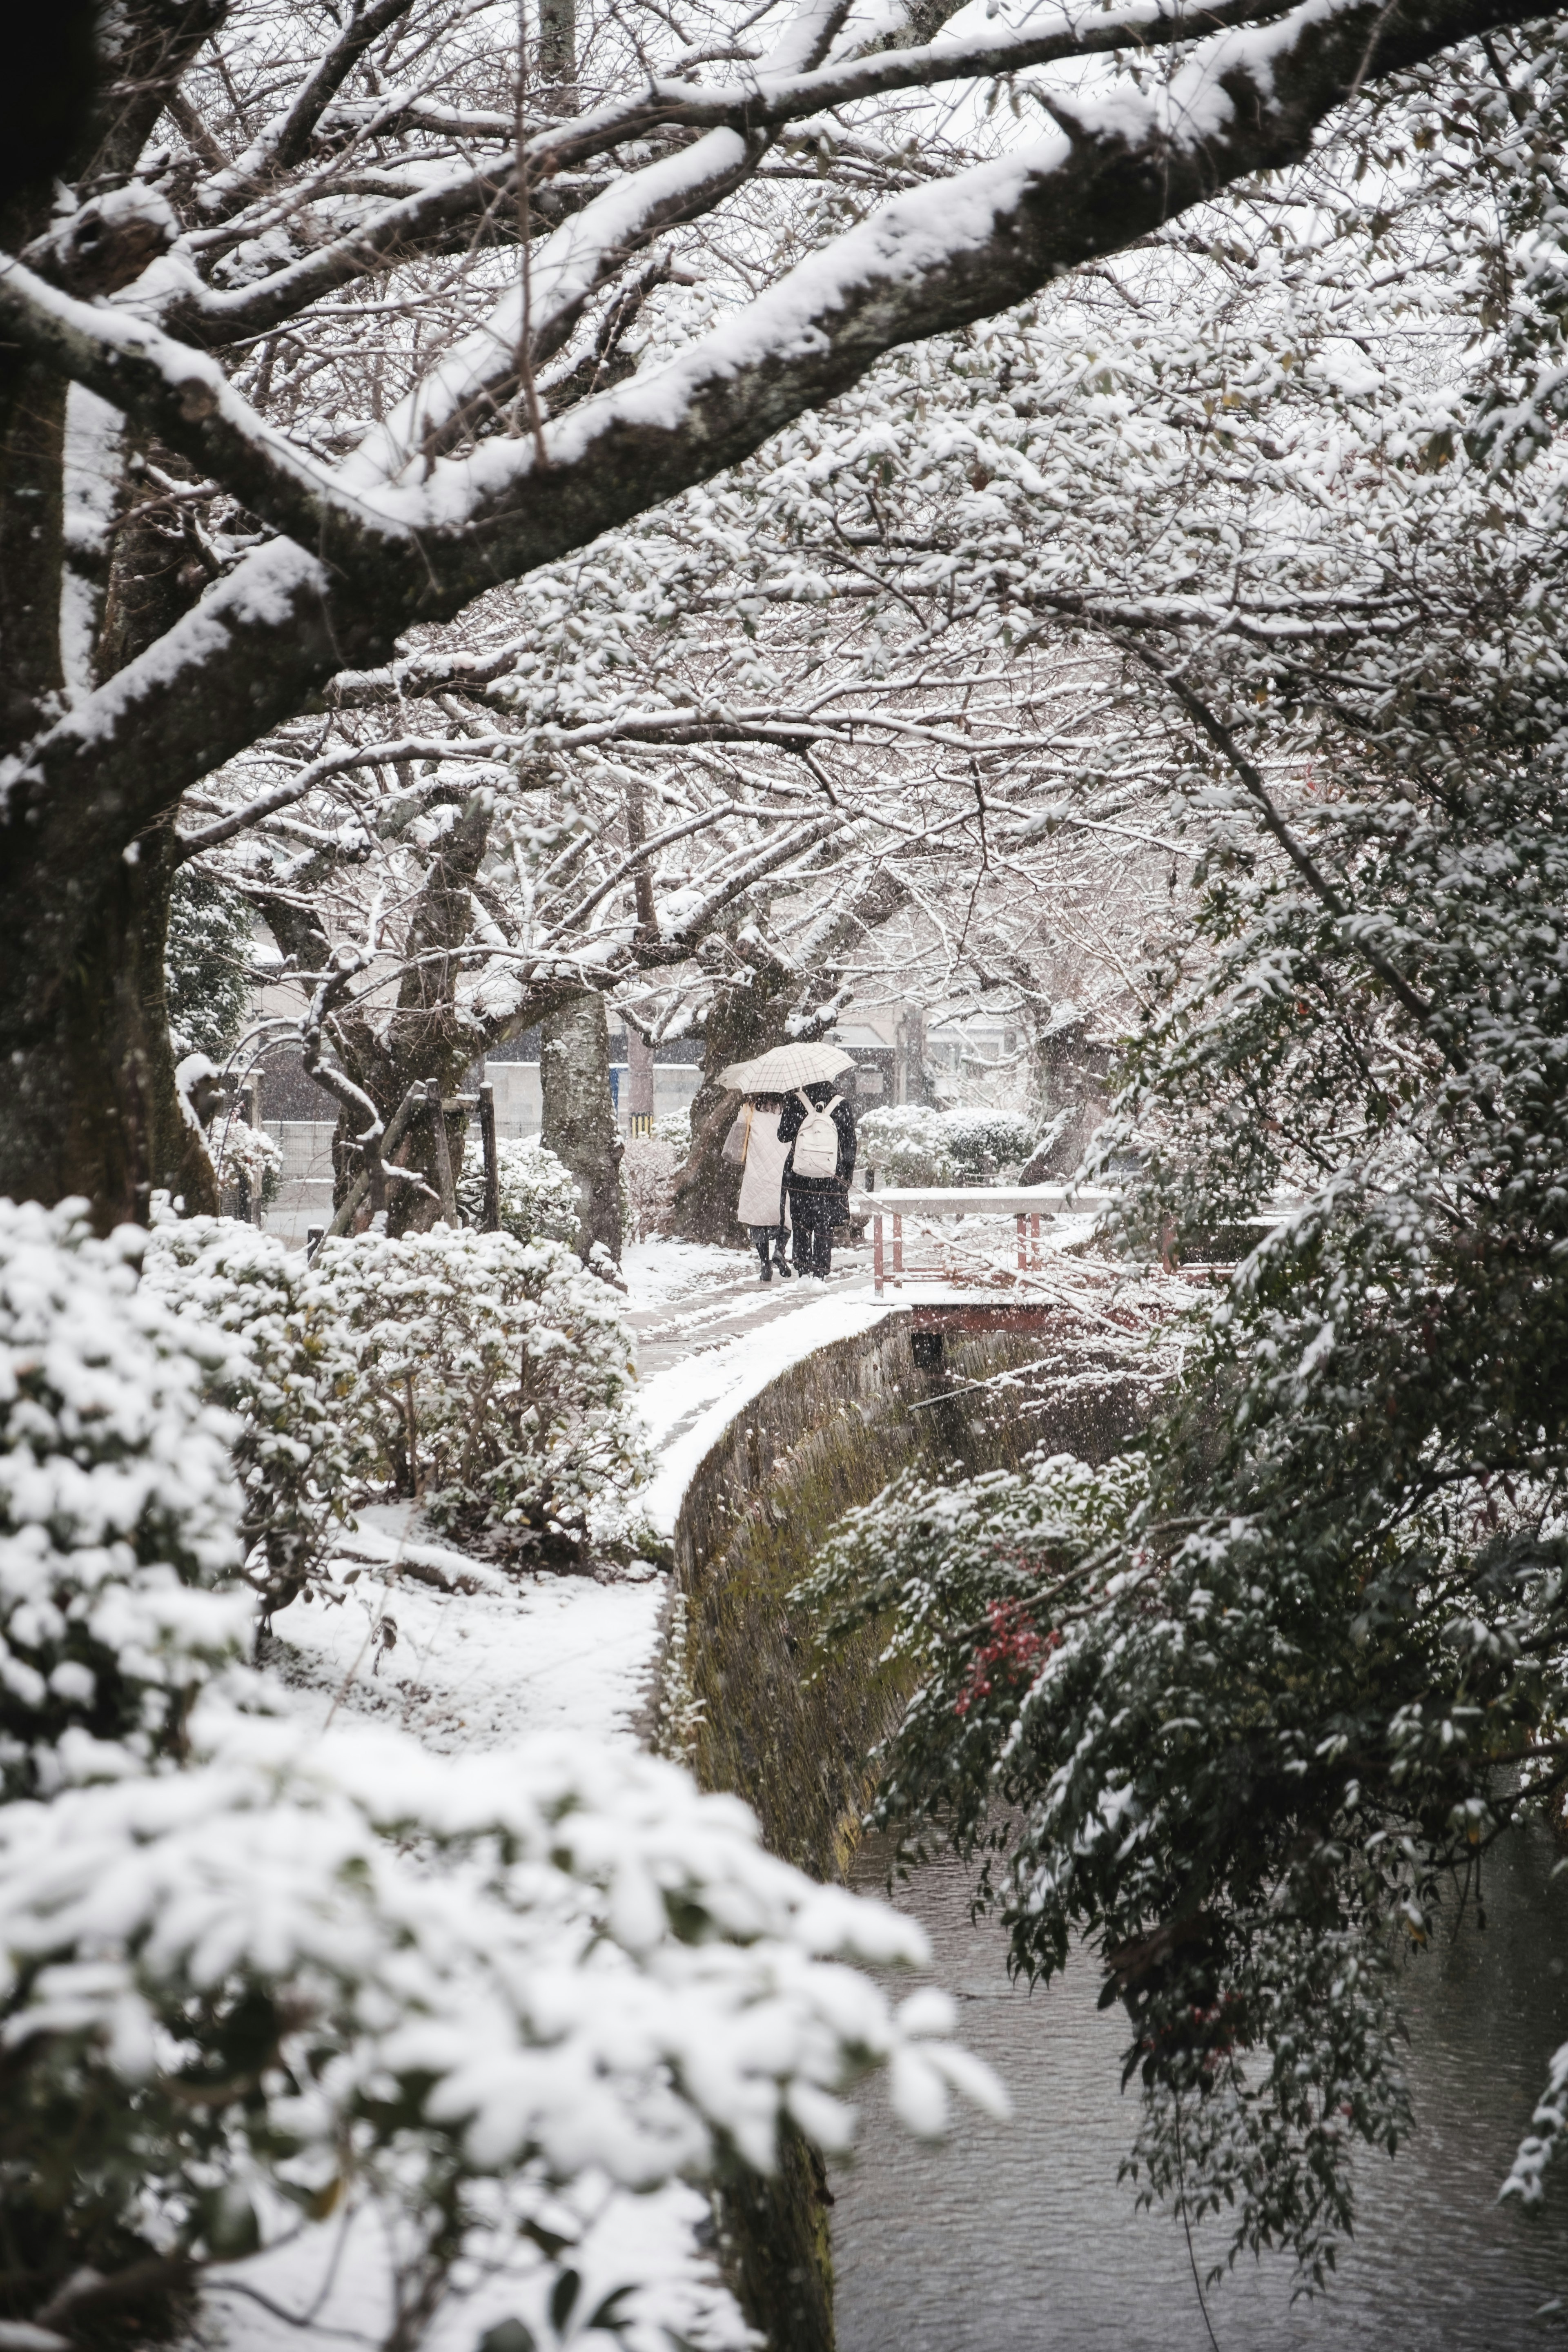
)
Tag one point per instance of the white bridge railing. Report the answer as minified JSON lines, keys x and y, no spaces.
{"x":897,"y":1256}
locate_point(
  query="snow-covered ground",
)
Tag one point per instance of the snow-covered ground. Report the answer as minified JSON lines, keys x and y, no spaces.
{"x":483,"y":1662}
{"x":479,"y":1660}
{"x":328,"y":2289}
{"x":659,"y":1270}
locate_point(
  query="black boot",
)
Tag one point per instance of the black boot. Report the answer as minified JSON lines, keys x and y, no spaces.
{"x":780,"y":1260}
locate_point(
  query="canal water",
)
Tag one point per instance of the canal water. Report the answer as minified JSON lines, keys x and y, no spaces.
{"x":1019,"y":2238}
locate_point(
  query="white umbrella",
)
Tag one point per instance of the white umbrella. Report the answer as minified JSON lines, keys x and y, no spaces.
{"x":786,"y":1066}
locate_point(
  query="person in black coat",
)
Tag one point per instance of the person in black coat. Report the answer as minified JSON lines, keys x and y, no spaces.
{"x":818,"y":1203}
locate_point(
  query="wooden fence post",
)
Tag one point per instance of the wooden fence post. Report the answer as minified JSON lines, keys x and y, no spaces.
{"x":492,"y":1158}
{"x":443,"y":1152}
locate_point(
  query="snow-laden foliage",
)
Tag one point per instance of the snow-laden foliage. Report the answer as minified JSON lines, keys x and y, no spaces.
{"x":648,"y":1174}
{"x":493,"y":1378}
{"x":291,"y":1377}
{"x":117,"y":1506}
{"x":486,"y":1377}
{"x":538,"y":1194}
{"x":1294,"y":1688}
{"x":1244,"y":1716}
{"x":908,"y":1143}
{"x":1526,"y":2179}
{"x":259,"y":2006}
{"x":247,"y":1157}
{"x":206,"y":966}
{"x":253,"y":1973}
{"x":1061,"y":1735}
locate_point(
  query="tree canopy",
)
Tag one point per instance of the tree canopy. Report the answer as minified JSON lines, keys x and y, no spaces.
{"x":363,"y":320}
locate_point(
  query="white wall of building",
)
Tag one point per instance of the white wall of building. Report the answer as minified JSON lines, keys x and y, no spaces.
{"x":305,"y":1185}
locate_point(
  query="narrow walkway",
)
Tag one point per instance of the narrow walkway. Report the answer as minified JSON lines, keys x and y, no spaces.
{"x":715,"y":1306}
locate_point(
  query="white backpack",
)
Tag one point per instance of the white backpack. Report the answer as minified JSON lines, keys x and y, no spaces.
{"x":817,"y":1145}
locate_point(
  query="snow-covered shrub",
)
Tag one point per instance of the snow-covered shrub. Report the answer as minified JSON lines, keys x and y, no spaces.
{"x":538,"y":1193}
{"x":253,"y":1974}
{"x":253,"y":2004}
{"x":648,"y":1173}
{"x":674,"y":1127}
{"x":981,"y":1143}
{"x":291,"y":1377}
{"x":908,"y":1143}
{"x":117,"y":1505}
{"x":246,"y":1155}
{"x":494,"y":1377}
{"x":206,"y":965}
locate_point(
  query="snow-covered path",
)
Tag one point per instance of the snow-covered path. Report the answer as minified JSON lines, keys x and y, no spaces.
{"x":687,"y":1300}
{"x":710,"y":1336}
{"x":464,"y":1656}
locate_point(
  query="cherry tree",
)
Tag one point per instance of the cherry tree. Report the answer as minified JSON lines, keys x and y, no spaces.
{"x":349,"y":320}
{"x":701,"y":786}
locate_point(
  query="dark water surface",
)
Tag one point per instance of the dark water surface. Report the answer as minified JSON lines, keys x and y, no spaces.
{"x":1019,"y":2238}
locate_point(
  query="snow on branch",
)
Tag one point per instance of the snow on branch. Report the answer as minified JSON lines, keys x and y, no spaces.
{"x":773,"y":100}
{"x":185,"y":398}
{"x":933,"y":259}
{"x":286,"y":140}
{"x":336,"y":764}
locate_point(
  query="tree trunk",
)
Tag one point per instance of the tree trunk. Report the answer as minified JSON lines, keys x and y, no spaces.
{"x":90,"y":1102}
{"x":32,"y":544}
{"x":427,"y":1038}
{"x":558,"y":54}
{"x":639,"y":1082}
{"x":90,"y":1106}
{"x":779,"y":1000}
{"x":742,"y":1021}
{"x":579,"y":1123}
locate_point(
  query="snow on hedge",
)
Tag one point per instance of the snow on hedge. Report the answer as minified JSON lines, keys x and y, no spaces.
{"x":290,"y":1375}
{"x":539,"y":1197}
{"x":590,"y":1966}
{"x":252,"y":1974}
{"x":909,"y":1143}
{"x":117,"y":1506}
{"x":488,"y":1378}
{"x":495,"y":1378}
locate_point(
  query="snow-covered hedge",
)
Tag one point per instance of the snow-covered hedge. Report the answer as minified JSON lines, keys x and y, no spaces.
{"x":117,"y":1505}
{"x":291,"y":1376}
{"x":494,"y":1377}
{"x":538,"y":1193}
{"x":254,"y":2005}
{"x":908,"y":1143}
{"x":253,"y":1974}
{"x":486,"y":1377}
{"x":246,"y":1155}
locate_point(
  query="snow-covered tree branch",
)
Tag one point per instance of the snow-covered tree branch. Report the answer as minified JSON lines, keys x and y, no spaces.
{"x":395,"y":214}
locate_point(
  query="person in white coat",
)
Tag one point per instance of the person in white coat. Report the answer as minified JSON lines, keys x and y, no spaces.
{"x":753,"y":1140}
